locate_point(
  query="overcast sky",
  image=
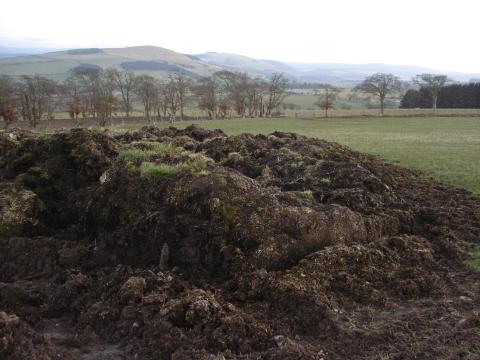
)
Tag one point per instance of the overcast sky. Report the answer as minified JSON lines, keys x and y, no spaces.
{"x":437,"y":34}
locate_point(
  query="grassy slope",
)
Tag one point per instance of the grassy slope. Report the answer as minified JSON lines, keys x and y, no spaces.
{"x":446,"y":148}
{"x":242,"y":63}
{"x":57,"y":64}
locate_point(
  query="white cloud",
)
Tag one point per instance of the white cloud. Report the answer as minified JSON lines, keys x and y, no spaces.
{"x":438,"y":34}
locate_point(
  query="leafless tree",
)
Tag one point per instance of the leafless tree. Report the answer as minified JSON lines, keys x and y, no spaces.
{"x":380,"y":85}
{"x":433,"y":83}
{"x":255,"y":93}
{"x":161,"y":102}
{"x":181,"y":84}
{"x":99,"y":92}
{"x":8,"y":100}
{"x":326,"y":100}
{"x":207,"y":90}
{"x":241,"y":92}
{"x":37,"y":98}
{"x":125,"y":83}
{"x":235,"y":86}
{"x":147,"y":90}
{"x":76,"y":100}
{"x":172,"y":98}
{"x":276,"y":93}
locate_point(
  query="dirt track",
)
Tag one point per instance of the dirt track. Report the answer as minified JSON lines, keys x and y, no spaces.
{"x":252,"y":247}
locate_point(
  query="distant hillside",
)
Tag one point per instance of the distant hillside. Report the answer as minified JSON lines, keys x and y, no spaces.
{"x":354,"y":73}
{"x":158,"y":62}
{"x":152,"y":60}
{"x":245,"y":63}
{"x":9,"y":51}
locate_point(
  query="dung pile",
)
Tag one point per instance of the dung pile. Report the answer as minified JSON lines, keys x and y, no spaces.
{"x":191,"y":244}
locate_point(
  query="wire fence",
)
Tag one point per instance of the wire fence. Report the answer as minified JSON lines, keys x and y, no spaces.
{"x":304,"y":114}
{"x":352,"y":113}
{"x":92,"y":122}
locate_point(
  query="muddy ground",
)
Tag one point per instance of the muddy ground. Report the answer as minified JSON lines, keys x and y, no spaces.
{"x":190,"y":244}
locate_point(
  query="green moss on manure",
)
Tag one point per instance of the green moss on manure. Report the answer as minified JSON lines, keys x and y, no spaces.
{"x":229,"y":213}
{"x":474,"y":262}
{"x":306,"y":194}
{"x":197,"y":163}
{"x":143,"y":151}
{"x":157,"y":170}
{"x":133,"y":170}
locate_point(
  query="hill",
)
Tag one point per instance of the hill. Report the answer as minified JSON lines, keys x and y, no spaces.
{"x":152,"y":60}
{"x":10,"y":51}
{"x":354,"y":73}
{"x":157,"y":61}
{"x":244,"y":63}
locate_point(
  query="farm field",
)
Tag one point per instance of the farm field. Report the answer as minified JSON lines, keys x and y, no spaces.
{"x":448,"y":149}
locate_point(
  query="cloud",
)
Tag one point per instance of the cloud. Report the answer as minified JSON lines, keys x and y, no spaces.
{"x":436,"y":34}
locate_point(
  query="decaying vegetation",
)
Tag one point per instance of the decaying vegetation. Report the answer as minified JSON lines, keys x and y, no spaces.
{"x":190,"y":244}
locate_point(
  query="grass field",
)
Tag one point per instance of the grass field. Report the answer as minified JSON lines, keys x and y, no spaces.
{"x":346,"y":99}
{"x":447,"y":149}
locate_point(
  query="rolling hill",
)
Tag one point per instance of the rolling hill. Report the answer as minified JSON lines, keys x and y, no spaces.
{"x":153,"y":60}
{"x":158,"y":62}
{"x":244,"y":63}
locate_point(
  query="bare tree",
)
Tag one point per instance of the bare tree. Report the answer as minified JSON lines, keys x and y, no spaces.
{"x":125,"y":83}
{"x":433,"y":83}
{"x":161,"y":102}
{"x":98,"y":90}
{"x":37,"y":98}
{"x":172,"y":98}
{"x":235,"y":86}
{"x":8,"y":100}
{"x":276,"y":93}
{"x":223,"y":107}
{"x":75,"y":96}
{"x":326,"y":101}
{"x":255,"y":92}
{"x":241,"y":93}
{"x":147,"y":90}
{"x":182,"y":85}
{"x":207,"y":90}
{"x":105,"y":101}
{"x":380,"y":85}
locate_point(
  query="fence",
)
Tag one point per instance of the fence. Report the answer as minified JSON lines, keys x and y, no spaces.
{"x":353,"y":113}
{"x":92,"y":122}
{"x":304,"y":114}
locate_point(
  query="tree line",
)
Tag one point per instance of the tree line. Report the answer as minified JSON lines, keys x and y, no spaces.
{"x":453,"y":96}
{"x":383,"y":86}
{"x":102,"y":94}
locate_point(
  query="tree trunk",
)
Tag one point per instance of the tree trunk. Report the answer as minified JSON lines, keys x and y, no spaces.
{"x":435,"y":105}
{"x":382,"y":101}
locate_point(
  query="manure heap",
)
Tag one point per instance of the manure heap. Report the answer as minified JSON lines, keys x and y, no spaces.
{"x":191,"y":244}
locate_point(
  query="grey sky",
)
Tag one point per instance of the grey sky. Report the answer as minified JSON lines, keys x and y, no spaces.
{"x":437,"y":34}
